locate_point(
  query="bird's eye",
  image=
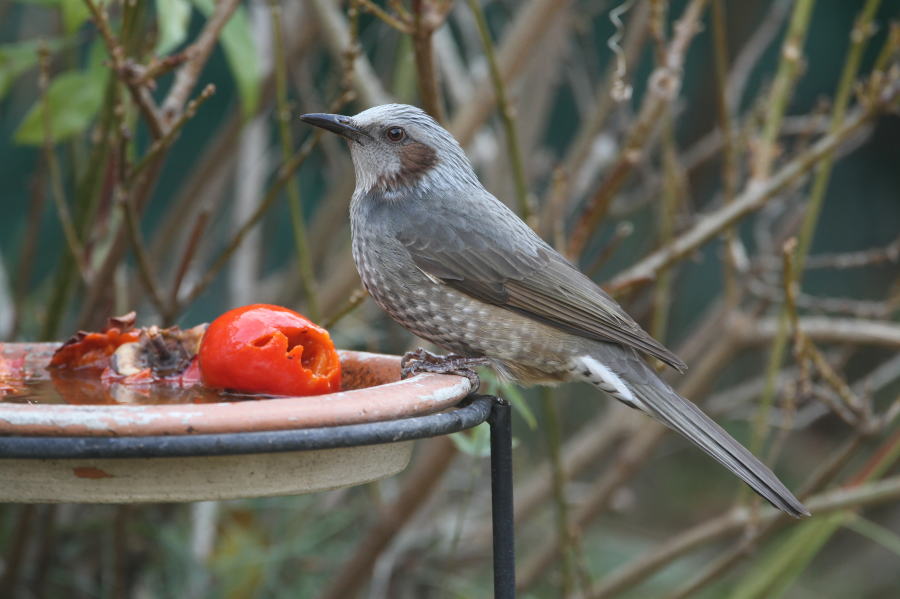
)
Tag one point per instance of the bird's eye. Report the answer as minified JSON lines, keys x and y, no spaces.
{"x":395,"y":134}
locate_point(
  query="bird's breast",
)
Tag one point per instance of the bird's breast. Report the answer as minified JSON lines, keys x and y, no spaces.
{"x":435,"y":311}
{"x":429,"y":308}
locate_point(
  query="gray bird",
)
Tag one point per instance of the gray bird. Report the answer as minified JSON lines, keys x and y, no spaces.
{"x":455,"y":266}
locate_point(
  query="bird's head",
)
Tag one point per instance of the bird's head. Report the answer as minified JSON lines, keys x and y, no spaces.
{"x":398,"y":148}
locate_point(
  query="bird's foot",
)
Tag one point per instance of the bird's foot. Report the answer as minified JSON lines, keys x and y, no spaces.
{"x":420,"y":360}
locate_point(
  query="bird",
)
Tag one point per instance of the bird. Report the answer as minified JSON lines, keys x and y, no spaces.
{"x":456,"y":266}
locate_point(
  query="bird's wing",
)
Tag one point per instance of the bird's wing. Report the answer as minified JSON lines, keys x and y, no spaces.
{"x":506,"y":264}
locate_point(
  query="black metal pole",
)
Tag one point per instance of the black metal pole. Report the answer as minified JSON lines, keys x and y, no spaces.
{"x":502,"y":501}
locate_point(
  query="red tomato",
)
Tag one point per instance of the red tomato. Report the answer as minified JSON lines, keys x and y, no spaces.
{"x":269,"y":349}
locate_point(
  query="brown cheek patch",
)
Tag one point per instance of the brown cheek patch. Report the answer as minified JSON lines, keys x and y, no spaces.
{"x":416,"y":159}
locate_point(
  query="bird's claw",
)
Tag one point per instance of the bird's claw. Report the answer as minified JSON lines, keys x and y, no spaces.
{"x":420,"y":360}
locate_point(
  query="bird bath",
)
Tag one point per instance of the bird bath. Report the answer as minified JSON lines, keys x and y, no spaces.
{"x":52,"y":452}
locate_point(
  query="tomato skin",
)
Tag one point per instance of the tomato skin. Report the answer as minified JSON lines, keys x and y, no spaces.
{"x":268,"y":349}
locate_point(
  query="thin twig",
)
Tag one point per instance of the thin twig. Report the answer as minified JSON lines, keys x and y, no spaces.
{"x":25,"y":268}
{"x":356,"y":299}
{"x":825,"y":329}
{"x":136,"y":86}
{"x":398,"y":23}
{"x":751,"y":199}
{"x":882,"y":459}
{"x":575,"y":161}
{"x":285,"y":173}
{"x":197,"y":54}
{"x":76,"y":249}
{"x":512,"y":138}
{"x":304,"y":260}
{"x":753,"y":50}
{"x":672,"y":193}
{"x":620,"y":91}
{"x":804,"y":350}
{"x":736,"y":520}
{"x":623,"y":231}
{"x":144,"y":75}
{"x":427,"y":18}
{"x":173,"y":110}
{"x":194,"y":238}
{"x":569,"y":543}
{"x":716,"y":350}
{"x":859,"y":36}
{"x":788,"y":70}
{"x":145,"y":268}
{"x":889,"y":253}
{"x":790,"y":56}
{"x":729,"y":149}
{"x":89,"y":193}
{"x":663,"y":87}
{"x":417,"y":487}
{"x":334,"y":28}
{"x":171,"y":134}
{"x":828,"y":305}
{"x":520,"y":42}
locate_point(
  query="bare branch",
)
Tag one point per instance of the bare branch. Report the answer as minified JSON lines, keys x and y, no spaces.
{"x":782,"y":87}
{"x":417,"y":487}
{"x":753,"y":51}
{"x":753,"y":198}
{"x":509,"y":126}
{"x":663,"y":87}
{"x":426,"y":18}
{"x":136,"y":85}
{"x":828,"y":330}
{"x":736,"y":520}
{"x":197,"y":54}
{"x":337,"y":35}
{"x":519,"y":44}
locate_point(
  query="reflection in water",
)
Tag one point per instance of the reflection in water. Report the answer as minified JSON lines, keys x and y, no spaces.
{"x":82,"y":388}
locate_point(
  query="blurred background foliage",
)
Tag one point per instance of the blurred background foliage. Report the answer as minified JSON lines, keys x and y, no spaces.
{"x":107,"y":119}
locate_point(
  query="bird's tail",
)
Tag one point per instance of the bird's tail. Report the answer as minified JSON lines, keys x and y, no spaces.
{"x":643,"y":390}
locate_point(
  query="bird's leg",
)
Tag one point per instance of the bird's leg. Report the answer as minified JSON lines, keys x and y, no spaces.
{"x":420,"y":360}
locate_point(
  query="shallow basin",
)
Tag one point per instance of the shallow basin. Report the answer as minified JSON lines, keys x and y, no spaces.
{"x":224,"y":450}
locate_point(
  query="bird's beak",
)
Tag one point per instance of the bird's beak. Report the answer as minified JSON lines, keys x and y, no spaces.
{"x":336,"y":123}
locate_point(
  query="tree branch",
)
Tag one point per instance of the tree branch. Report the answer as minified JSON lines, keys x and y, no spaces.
{"x":663,"y":87}
{"x":196,"y":56}
{"x":736,"y":520}
{"x":753,"y":198}
{"x":827,"y":330}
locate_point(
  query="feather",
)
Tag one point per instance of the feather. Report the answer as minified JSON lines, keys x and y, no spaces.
{"x":640,"y":388}
{"x":508,"y":265}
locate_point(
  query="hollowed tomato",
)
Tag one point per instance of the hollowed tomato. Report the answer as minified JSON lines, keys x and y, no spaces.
{"x":269,"y":349}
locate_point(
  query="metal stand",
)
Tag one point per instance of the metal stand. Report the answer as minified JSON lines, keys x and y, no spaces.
{"x":476,"y":409}
{"x":502,"y":501}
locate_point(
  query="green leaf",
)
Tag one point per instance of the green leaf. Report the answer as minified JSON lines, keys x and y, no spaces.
{"x":173,"y":17}
{"x":74,"y":98}
{"x":475,"y":442}
{"x":16,"y":59}
{"x":74,"y":14}
{"x":240,"y":52}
